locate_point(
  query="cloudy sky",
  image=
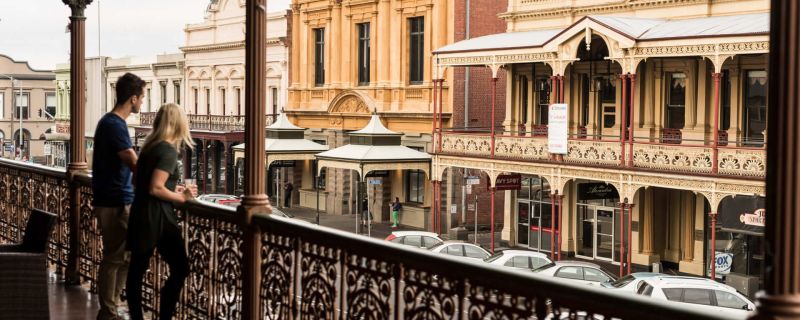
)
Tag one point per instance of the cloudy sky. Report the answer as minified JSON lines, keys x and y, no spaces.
{"x":33,"y":30}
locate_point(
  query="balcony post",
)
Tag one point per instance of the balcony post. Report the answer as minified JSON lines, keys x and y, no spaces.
{"x":622,"y":206}
{"x":630,"y":234}
{"x":632,"y":76}
{"x":255,"y":200}
{"x":561,"y":89}
{"x":187,"y":165}
{"x":226,"y":154}
{"x":715,"y":153}
{"x":782,"y":248}
{"x":441,"y":93}
{"x":552,"y":225}
{"x":433,"y":118}
{"x":493,"y":190}
{"x":77,"y":159}
{"x":713,"y":245}
{"x":622,"y":128}
{"x":204,"y":146}
{"x":557,"y":235}
{"x":494,"y":102}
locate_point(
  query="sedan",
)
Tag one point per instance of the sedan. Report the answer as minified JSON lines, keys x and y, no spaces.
{"x":461,"y":250}
{"x":576,"y":271}
{"x":520,"y":259}
{"x":417,"y":239}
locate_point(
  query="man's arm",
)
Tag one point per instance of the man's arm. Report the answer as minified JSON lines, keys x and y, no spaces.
{"x":129,"y":158}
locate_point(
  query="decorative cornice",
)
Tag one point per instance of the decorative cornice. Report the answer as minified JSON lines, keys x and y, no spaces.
{"x":557,"y":11}
{"x":214,"y":47}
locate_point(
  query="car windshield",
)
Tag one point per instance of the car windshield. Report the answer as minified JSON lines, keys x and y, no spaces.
{"x":544,"y":267}
{"x":494,"y":257}
{"x":621,"y":282}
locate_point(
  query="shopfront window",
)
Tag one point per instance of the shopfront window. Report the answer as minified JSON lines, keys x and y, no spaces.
{"x":534,"y":214}
{"x":596,"y":229}
{"x":415,"y":186}
{"x":739,"y":248}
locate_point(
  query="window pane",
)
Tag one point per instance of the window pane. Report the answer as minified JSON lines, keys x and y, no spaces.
{"x":430,"y":242}
{"x":455,"y":250}
{"x":697,"y":296}
{"x":755,"y":120}
{"x":673,"y":294}
{"x":676,"y":101}
{"x":474,"y":252}
{"x":416,"y":49}
{"x":363,"y":53}
{"x":521,"y":262}
{"x":414,"y":241}
{"x":570,"y":273}
{"x":591,"y":274}
{"x":729,"y":300}
{"x":319,"y":56}
{"x":537,"y":262}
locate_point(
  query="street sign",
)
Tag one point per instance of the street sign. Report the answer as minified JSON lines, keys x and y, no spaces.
{"x":473,"y":180}
{"x":282,"y":164}
{"x":469,"y":189}
{"x":374,"y":182}
{"x":470,"y":207}
{"x":48,"y":149}
{"x":453,"y":208}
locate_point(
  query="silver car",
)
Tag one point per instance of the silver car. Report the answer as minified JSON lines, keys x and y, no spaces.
{"x":576,"y":271}
{"x":462,"y":250}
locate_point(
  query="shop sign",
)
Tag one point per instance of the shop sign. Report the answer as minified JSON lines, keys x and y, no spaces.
{"x":378,"y":173}
{"x":473,"y":180}
{"x":557,"y":129}
{"x":282,"y":164}
{"x":508,"y":182}
{"x":453,"y":208}
{"x":743,"y":214}
{"x":722,"y":263}
{"x":596,"y":191}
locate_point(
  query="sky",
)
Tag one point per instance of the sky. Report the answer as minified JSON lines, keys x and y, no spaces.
{"x":34,"y":30}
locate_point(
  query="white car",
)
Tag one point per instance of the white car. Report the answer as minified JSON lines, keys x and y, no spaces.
{"x":631,"y":282}
{"x":700,"y":292}
{"x":520,"y":259}
{"x":576,"y":271}
{"x":418,"y":239}
{"x":461,"y":250}
{"x":216,"y":198}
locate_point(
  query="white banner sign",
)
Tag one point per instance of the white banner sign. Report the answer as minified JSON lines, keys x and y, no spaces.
{"x":48,"y":149}
{"x":557,"y":125}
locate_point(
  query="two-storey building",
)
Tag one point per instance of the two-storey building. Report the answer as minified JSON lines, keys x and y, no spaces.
{"x":634,"y":132}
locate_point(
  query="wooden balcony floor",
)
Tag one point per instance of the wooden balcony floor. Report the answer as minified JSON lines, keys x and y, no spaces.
{"x":70,"y":303}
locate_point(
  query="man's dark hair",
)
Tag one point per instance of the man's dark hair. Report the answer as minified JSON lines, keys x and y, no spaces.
{"x":128,"y":85}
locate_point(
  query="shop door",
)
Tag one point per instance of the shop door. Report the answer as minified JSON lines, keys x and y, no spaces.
{"x":523,"y":220}
{"x":604,"y":234}
{"x":540,"y":227}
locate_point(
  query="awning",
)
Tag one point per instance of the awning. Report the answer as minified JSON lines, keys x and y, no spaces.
{"x":285,"y":141}
{"x":374,"y":148}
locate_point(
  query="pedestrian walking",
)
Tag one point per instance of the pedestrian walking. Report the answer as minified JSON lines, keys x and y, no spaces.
{"x":153,"y":223}
{"x":114,"y":161}
{"x":287,"y":195}
{"x":396,"y":207}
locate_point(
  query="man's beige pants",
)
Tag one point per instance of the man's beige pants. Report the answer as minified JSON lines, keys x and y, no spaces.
{"x":113,"y":223}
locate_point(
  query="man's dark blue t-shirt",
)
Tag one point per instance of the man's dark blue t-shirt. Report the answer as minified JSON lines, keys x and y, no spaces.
{"x":111,"y":178}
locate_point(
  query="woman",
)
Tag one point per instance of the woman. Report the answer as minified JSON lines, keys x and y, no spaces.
{"x":153,"y":223}
{"x":396,"y":207}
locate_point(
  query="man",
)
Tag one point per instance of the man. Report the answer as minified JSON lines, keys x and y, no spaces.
{"x":114,"y":162}
{"x":287,"y":196}
{"x":396,"y":207}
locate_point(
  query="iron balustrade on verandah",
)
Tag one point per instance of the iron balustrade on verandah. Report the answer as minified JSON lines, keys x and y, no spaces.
{"x":313,"y":272}
{"x":207,"y":122}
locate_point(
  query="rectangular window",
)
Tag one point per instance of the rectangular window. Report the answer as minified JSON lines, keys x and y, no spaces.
{"x":523,"y":98}
{"x":543,"y":87}
{"x":238,"y":101}
{"x":176,"y":95}
{"x":725,"y":104}
{"x":195,"y":100}
{"x":208,"y":101}
{"x":148,"y":99}
{"x":755,"y":107}
{"x":223,"y":98}
{"x":23,"y":104}
{"x":415,"y":186}
{"x":163,"y":87}
{"x":363,"y":53}
{"x":676,"y":101}
{"x":50,"y":105}
{"x":416,"y":52}
{"x":274,"y":92}
{"x":319,"y":57}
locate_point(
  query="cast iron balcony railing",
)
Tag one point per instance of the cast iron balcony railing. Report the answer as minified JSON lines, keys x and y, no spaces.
{"x":313,"y":272}
{"x":693,"y":157}
{"x":206,"y":122}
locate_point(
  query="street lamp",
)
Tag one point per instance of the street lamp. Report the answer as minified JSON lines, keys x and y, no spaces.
{"x":16,"y":105}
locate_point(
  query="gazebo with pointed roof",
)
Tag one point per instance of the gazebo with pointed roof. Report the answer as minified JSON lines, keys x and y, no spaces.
{"x":285,"y":141}
{"x":374,"y":148}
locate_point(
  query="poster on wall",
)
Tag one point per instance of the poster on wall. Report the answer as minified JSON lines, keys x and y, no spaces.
{"x":557,"y":133}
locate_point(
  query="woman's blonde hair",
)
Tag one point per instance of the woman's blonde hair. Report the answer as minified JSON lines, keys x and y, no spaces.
{"x":172,"y":126}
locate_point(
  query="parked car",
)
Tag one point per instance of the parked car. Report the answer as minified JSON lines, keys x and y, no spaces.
{"x":630,"y":282}
{"x":576,"y":271}
{"x":521,"y":259}
{"x":700,"y":292}
{"x":418,"y":239}
{"x":216,"y":198}
{"x":462,"y":250}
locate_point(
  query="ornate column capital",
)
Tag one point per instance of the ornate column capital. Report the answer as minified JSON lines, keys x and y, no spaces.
{"x":77,"y":6}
